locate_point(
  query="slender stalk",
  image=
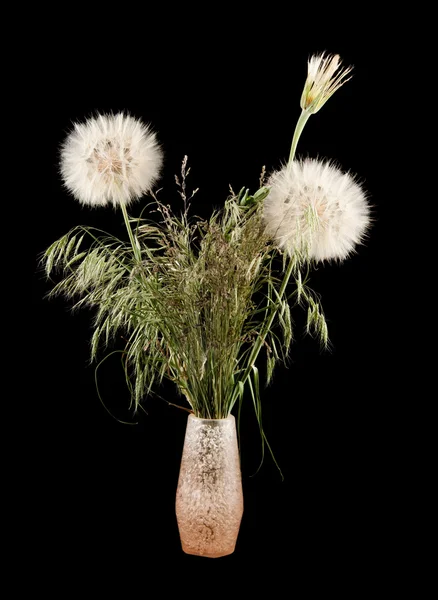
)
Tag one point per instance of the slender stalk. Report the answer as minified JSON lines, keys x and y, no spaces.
{"x":298,"y":130}
{"x":135,"y":248}
{"x":261,"y":338}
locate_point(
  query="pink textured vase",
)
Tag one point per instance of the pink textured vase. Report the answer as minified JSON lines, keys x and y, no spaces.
{"x":209,"y":498}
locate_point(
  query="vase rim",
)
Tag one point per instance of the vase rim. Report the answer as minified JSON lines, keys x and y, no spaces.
{"x":229,"y":418}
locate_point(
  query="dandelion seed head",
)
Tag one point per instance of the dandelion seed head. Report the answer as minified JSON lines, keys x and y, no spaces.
{"x":110,"y":159}
{"x":315,"y":211}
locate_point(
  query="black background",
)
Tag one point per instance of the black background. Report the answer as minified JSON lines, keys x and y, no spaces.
{"x":228,"y":97}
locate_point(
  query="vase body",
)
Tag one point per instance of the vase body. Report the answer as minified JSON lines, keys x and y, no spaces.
{"x":209,"y":498}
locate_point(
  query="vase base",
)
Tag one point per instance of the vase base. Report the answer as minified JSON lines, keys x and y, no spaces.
{"x":208,"y":554}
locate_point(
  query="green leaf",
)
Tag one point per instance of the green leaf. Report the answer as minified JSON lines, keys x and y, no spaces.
{"x":261,"y":194}
{"x":245,"y":198}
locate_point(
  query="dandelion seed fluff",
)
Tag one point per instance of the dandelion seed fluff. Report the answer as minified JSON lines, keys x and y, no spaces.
{"x":316,"y":211}
{"x":110,"y":159}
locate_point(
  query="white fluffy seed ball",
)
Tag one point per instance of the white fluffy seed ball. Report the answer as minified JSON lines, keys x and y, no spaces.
{"x":110,"y":159}
{"x":315,"y":210}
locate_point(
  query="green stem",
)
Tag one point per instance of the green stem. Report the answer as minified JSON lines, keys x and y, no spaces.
{"x":298,"y":130}
{"x":261,"y":338}
{"x":135,"y":248}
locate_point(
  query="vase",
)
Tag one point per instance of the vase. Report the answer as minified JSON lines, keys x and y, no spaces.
{"x":209,"y":498}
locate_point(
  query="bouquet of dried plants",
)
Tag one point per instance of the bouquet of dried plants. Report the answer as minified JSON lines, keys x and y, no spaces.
{"x":198,"y":301}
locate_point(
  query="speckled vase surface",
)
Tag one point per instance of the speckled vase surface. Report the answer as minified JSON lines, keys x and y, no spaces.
{"x":209,"y":498}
